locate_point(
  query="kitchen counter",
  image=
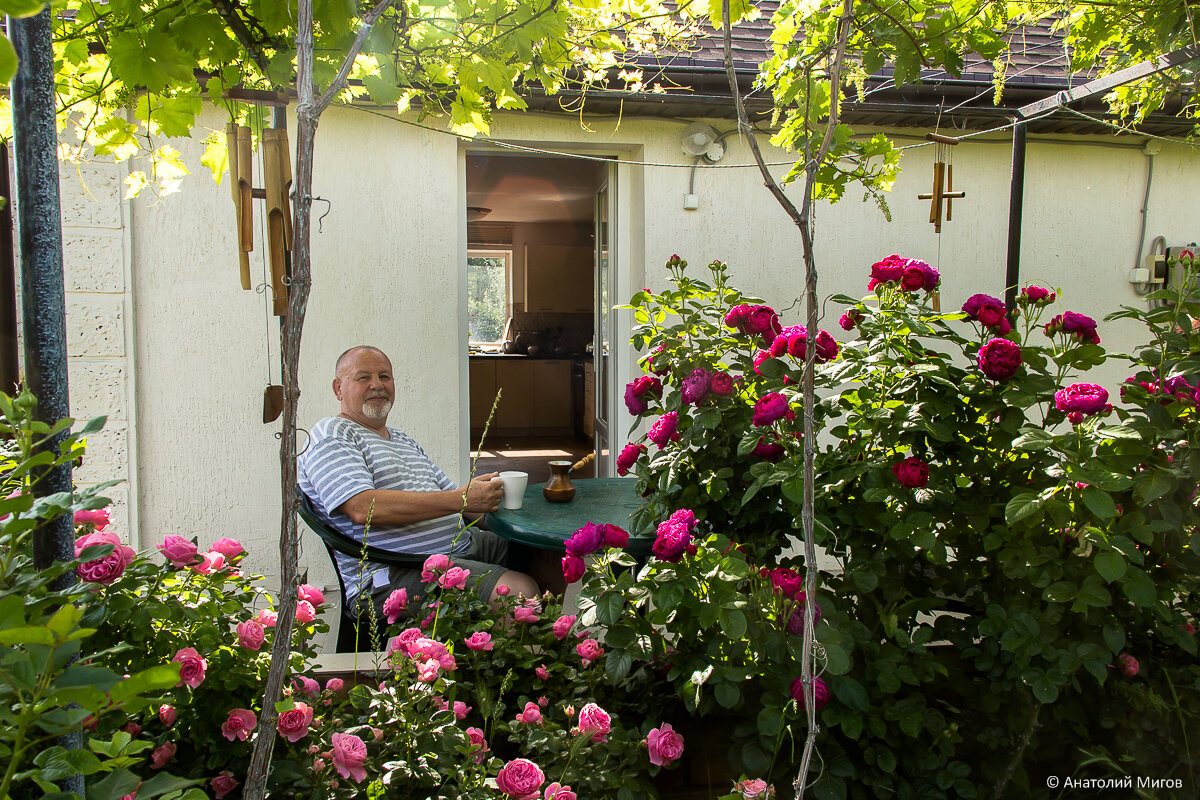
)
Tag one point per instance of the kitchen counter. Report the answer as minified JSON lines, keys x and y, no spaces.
{"x":538,"y":357}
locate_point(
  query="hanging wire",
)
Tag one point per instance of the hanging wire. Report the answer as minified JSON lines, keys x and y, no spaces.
{"x":266,"y":289}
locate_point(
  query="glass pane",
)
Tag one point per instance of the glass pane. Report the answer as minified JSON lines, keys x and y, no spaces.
{"x":487,"y":297}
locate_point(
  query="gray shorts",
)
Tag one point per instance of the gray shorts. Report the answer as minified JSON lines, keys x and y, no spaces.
{"x":486,"y":559}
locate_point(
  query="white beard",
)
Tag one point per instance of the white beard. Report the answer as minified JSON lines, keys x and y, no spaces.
{"x":377,"y":409}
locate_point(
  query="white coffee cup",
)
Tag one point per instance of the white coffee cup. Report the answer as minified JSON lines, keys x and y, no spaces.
{"x":514,"y":488}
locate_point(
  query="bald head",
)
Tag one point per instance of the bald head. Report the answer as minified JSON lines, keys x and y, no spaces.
{"x":348,"y":357}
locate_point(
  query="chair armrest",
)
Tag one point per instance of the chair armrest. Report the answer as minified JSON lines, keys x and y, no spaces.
{"x":346,"y":545}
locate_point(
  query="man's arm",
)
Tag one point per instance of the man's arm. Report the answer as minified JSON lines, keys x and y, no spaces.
{"x":394,"y":507}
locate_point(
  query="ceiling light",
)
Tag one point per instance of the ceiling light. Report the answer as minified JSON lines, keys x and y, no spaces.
{"x":476,"y":213}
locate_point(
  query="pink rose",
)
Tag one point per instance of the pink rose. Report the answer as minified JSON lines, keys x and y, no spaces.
{"x":1084,"y":398}
{"x":664,"y":429}
{"x":266,"y":618}
{"x":478,"y":743}
{"x":589,"y":650}
{"x":1079,"y":326}
{"x":210,"y":562}
{"x":585,"y":540}
{"x":223,"y":784}
{"x":786,"y":581}
{"x":461,"y":710}
{"x":293,"y":725}
{"x":106,"y":569}
{"x":455,"y":578}
{"x":306,"y":685}
{"x":525,"y":614}
{"x":988,"y":311}
{"x":334,"y":685}
{"x":230,"y":548}
{"x":532,"y":715}
{"x":912,"y":472}
{"x":305,"y":612}
{"x":665,"y":745}
{"x":770,"y":408}
{"x":850,"y":319}
{"x":594,"y":722}
{"x":755,"y":789}
{"x":132,"y":728}
{"x":556,"y":792}
{"x":179,"y":551}
{"x":434,"y":566}
{"x":628,"y":457}
{"x":395,"y":605}
{"x":520,"y":778}
{"x":161,"y":755}
{"x":250,"y":634}
{"x":820,"y":692}
{"x":192,"y":667}
{"x":311,"y":593}
{"x":98,"y":518}
{"x":502,"y":590}
{"x":562,"y":625}
{"x":167,"y":715}
{"x":542,"y":672}
{"x":1128,"y":665}
{"x":1036,"y":295}
{"x":349,"y":754}
{"x":671,"y":541}
{"x":999,"y":359}
{"x":238,"y":724}
{"x":402,"y":643}
{"x":479,"y":640}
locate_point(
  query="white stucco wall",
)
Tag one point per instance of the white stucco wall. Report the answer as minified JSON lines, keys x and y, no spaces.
{"x":386,"y":270}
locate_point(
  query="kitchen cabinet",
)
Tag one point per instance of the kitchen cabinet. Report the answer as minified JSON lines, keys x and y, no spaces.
{"x":482,"y":374}
{"x":535,"y":400}
{"x":552,"y":395}
{"x":514,"y":378}
{"x":558,"y":277}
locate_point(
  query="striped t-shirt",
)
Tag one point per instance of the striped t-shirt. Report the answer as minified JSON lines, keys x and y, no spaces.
{"x":342,"y":459}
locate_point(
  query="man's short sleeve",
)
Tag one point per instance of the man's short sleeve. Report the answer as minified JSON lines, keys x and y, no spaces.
{"x":444,"y":483}
{"x":337,"y":470}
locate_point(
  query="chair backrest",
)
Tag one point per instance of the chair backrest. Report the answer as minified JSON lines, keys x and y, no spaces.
{"x":337,"y":542}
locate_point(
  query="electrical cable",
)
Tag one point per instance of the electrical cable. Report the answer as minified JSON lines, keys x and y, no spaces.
{"x":1148,"y":286}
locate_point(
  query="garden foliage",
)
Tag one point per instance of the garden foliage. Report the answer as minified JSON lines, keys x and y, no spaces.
{"x":1009,"y":566}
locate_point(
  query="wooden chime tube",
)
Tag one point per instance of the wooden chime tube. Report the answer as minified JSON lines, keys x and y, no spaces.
{"x":276,"y":228}
{"x":245,"y":166}
{"x":231,"y":143}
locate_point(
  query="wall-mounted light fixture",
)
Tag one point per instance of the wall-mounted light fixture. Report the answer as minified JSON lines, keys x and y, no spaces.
{"x":701,"y":140}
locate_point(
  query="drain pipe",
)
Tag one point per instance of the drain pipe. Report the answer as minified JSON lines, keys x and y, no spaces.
{"x":1016,"y":201}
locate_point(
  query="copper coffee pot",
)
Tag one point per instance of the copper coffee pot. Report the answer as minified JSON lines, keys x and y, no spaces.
{"x":560,"y":489}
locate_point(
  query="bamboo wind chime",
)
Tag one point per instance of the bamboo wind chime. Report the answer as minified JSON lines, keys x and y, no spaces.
{"x":942,"y":196}
{"x":277,"y":182}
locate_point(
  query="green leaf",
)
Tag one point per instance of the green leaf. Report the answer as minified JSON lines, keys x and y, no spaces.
{"x":1033,"y":439}
{"x":1151,"y":485}
{"x":1023,"y":506}
{"x":609,"y":606}
{"x":161,"y":676}
{"x":1045,"y":690}
{"x":1110,"y":564}
{"x":727,"y":694}
{"x":1139,"y":588}
{"x":114,"y":786}
{"x":1099,"y":503}
{"x":733,"y":623}
{"x":617,"y":665}
{"x":850,"y":693}
{"x":26,"y":634}
{"x":8,"y":60}
{"x":21,"y":8}
{"x":1061,"y":592}
{"x":1114,"y":638}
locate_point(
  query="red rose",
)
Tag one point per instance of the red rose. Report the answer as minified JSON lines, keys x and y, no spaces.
{"x":722,"y":384}
{"x":820,"y":692}
{"x":911,"y":472}
{"x":999,"y":359}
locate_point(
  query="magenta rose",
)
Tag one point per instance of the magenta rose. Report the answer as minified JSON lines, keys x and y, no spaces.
{"x":999,"y":359}
{"x":685,"y":517}
{"x":230,"y":548}
{"x":912,"y":279}
{"x":827,"y":347}
{"x":665,"y":745}
{"x":589,"y":650}
{"x":395,"y":605}
{"x":637,"y":392}
{"x":479,"y":640}
{"x":238,"y":724}
{"x":520,"y":778}
{"x":223,"y":784}
{"x":911,"y":472}
{"x":795,"y":623}
{"x":1082,"y":398}
{"x":586,"y":540}
{"x":736,"y":317}
{"x":1128,"y":665}
{"x":696,"y":386}
{"x":349,"y":755}
{"x":106,"y":569}
{"x":850,"y":319}
{"x":629,"y":457}
{"x":562,"y":625}
{"x":664,"y":429}
{"x":1036,"y":295}
{"x":293,"y":724}
{"x":770,"y":408}
{"x":615,"y":536}
{"x":786,"y":581}
{"x":721,"y":384}
{"x":250,"y":634}
{"x":672,"y":541}
{"x":762,"y":321}
{"x":573,"y":568}
{"x":820,"y":692}
{"x":191,"y":667}
{"x":767,"y":451}
{"x":161,"y":755}
{"x":595,"y":722}
{"x":1072,"y":324}
{"x":98,"y":518}
{"x":179,"y":551}
{"x":889,"y":270}
{"x":988,"y":311}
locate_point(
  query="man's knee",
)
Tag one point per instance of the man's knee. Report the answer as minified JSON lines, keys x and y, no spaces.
{"x":518,"y":583}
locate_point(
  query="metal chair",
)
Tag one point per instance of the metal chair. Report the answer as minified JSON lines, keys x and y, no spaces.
{"x":336,"y":541}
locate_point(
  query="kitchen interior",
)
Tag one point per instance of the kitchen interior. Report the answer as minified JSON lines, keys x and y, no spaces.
{"x":531,"y":221}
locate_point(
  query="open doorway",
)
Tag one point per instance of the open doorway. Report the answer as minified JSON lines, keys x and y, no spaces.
{"x":532,"y":261}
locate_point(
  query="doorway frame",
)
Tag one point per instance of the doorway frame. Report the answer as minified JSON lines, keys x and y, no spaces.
{"x":625,"y":181}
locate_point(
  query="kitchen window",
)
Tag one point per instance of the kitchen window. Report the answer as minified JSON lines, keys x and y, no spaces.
{"x":489,"y":277}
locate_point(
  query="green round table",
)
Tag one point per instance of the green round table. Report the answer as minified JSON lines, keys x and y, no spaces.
{"x":545,"y":525}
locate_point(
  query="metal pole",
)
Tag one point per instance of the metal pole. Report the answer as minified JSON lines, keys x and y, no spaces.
{"x":1016,"y":200}
{"x":43,"y":306}
{"x":10,"y":371}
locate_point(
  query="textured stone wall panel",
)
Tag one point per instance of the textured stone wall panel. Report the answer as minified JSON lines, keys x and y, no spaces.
{"x":97,"y":389}
{"x":107,"y":456}
{"x":92,"y":262}
{"x":96,"y":326}
{"x":91,"y":195}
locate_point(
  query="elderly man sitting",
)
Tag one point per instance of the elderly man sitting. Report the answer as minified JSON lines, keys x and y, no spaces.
{"x":357,"y":467}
